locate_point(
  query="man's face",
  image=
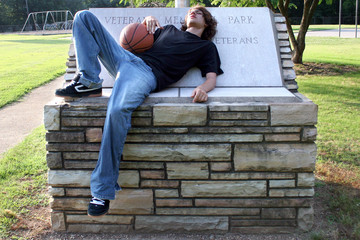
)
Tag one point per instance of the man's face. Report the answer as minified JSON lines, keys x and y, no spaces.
{"x":195,"y":18}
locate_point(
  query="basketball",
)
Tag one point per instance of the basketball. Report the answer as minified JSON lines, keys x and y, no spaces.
{"x":135,"y":38}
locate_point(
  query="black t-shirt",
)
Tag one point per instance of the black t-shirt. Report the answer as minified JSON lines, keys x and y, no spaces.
{"x":174,"y":52}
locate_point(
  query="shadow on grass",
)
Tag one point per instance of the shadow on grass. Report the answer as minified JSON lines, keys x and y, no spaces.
{"x":337,"y":211}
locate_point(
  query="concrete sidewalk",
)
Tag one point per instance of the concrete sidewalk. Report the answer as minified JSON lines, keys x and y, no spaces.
{"x":345,"y":33}
{"x":18,"y":119}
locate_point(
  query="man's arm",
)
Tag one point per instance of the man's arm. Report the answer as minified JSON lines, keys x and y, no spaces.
{"x":200,"y":93}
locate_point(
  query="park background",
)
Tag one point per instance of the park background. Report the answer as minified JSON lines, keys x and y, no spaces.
{"x":330,"y":76}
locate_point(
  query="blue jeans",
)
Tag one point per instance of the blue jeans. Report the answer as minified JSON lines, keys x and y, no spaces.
{"x":134,"y":81}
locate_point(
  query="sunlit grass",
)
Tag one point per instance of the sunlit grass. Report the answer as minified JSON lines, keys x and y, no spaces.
{"x":29,"y":61}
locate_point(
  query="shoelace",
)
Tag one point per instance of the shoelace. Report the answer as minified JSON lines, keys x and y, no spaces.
{"x":75,"y":80}
{"x":97,"y":201}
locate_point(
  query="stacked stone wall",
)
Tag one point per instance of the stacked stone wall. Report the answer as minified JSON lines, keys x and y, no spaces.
{"x":242,"y":167}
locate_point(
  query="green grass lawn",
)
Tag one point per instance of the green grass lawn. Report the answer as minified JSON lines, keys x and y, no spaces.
{"x":29,"y":61}
{"x":343,"y":51}
{"x":338,"y":98}
{"x":23,"y":178}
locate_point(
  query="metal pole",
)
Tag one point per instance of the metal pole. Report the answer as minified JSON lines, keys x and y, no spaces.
{"x":27,"y":7}
{"x":340,"y":18}
{"x":182,"y":3}
{"x":356,"y":17}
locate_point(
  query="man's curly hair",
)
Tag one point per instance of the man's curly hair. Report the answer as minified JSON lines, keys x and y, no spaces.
{"x":210,"y":21}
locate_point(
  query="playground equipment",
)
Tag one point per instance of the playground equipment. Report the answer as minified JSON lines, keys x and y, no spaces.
{"x":49,"y":20}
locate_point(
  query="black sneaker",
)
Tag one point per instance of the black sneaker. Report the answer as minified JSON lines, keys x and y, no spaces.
{"x":77,"y":90}
{"x":98,"y":207}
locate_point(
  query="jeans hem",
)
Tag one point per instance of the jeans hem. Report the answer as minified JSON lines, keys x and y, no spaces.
{"x":90,"y":84}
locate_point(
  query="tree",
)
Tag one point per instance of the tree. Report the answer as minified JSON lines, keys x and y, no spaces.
{"x":298,"y":43}
{"x":283,"y":6}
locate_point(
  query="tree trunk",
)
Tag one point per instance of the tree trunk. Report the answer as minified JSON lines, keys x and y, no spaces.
{"x":308,"y":12}
{"x":298,"y":44}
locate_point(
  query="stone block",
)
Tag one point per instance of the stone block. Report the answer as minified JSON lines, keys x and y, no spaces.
{"x":82,"y":122}
{"x":251,"y":175}
{"x":194,"y":138}
{"x":282,"y":137}
{"x":141,"y":165}
{"x":278,"y":213}
{"x":187,"y":170}
{"x":144,"y":122}
{"x":80,"y":164}
{"x":133,"y":201}
{"x":56,"y":192}
{"x":285,"y":129}
{"x":232,"y":130}
{"x":52,"y":117}
{"x":180,"y":224}
{"x":274,"y":157}
{"x":306,"y":179}
{"x":238,"y":107}
{"x":159,"y":184}
{"x":309,"y":134}
{"x":152,"y":174}
{"x":70,"y":137}
{"x":161,"y":130}
{"x":181,"y":152}
{"x":129,"y":178}
{"x":286,"y":50}
{"x":281,"y":27}
{"x":69,"y":178}
{"x":78,"y":192}
{"x":179,"y":114}
{"x":69,"y":204}
{"x":306,"y":218}
{"x":72,"y":147}
{"x":223,"y":189}
{"x":173,"y":203}
{"x":54,"y":160}
{"x":263,"y":230}
{"x":58,"y":221}
{"x":141,"y":114}
{"x":208,"y":211}
{"x":81,"y":155}
{"x":220,"y":166}
{"x":288,"y":73}
{"x":288,"y":63}
{"x":166,"y":193}
{"x":257,"y":202}
{"x":281,"y":183}
{"x":284,"y":44}
{"x":293,"y":114}
{"x":236,"y":123}
{"x":93,"y":134}
{"x":107,"y":219}
{"x":291,"y":192}
{"x":261,"y":222}
{"x":99,"y":228}
{"x":238,"y":115}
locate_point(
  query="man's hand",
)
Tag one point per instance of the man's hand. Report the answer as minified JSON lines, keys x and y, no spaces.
{"x":151,"y":24}
{"x":199,"y":95}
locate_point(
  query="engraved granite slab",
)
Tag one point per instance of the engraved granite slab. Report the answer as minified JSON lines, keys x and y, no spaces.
{"x":246,"y":42}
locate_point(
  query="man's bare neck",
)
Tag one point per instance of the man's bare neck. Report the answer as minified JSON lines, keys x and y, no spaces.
{"x":197,"y":31}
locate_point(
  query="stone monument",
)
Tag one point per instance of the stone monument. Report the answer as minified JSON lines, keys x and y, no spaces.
{"x":241,"y":162}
